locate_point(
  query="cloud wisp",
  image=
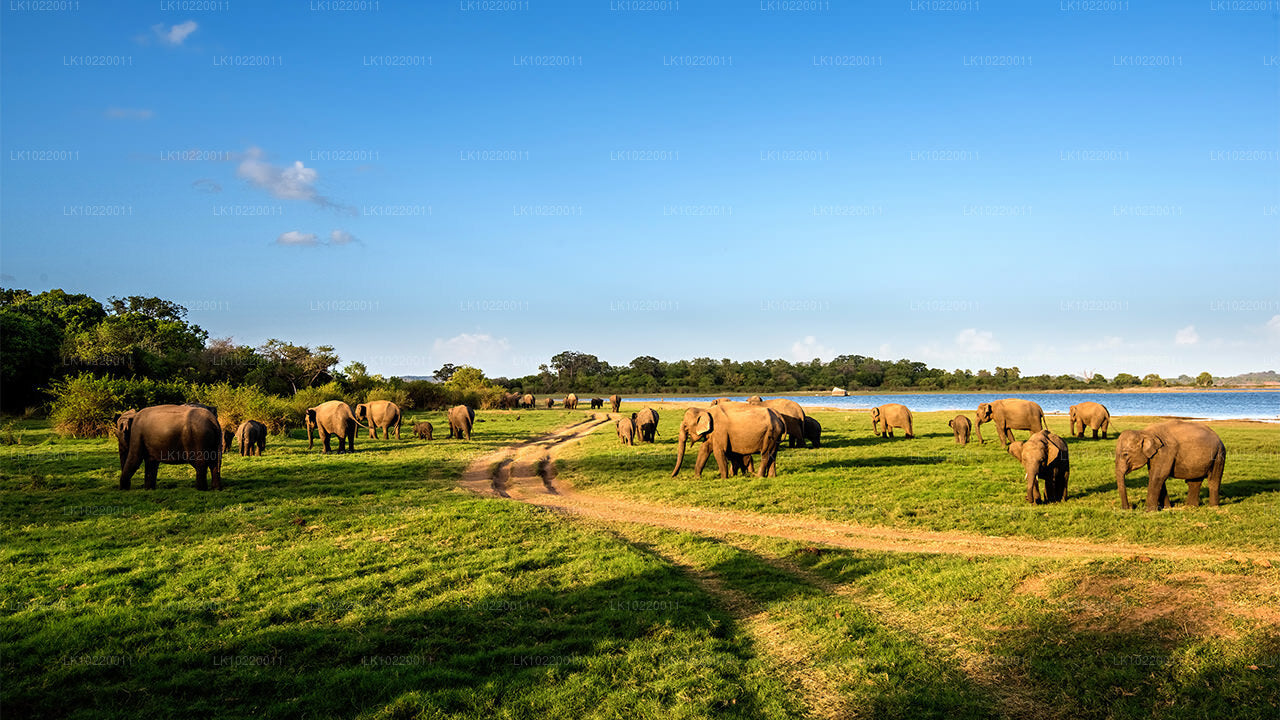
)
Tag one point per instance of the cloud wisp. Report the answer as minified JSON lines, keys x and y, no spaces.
{"x":295,"y":182}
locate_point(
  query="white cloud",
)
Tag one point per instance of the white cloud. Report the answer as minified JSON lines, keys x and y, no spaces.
{"x":207,"y":185}
{"x":1186,"y":336}
{"x":118,"y":113}
{"x":476,"y":349}
{"x":295,"y":182}
{"x":296,"y":238}
{"x":342,"y":237}
{"x":971,"y":340}
{"x":176,"y":34}
{"x":1111,"y":342}
{"x":809,"y":348}
{"x":1273,"y":325}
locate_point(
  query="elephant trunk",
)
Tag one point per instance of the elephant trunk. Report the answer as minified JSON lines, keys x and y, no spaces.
{"x":1121,"y":470}
{"x":978,"y":426}
{"x":684,"y":435}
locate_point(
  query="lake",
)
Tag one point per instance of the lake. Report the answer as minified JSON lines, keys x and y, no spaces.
{"x":1219,"y":405}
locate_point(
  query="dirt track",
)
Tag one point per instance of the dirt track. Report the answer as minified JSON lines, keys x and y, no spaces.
{"x":525,"y":472}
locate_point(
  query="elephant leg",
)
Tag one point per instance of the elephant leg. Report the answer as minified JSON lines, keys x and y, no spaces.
{"x":769,"y":464}
{"x":1033,"y":488}
{"x":150,"y":469}
{"x":704,"y":454}
{"x":130,"y":467}
{"x":326,"y":442}
{"x":911,"y":433}
{"x":202,"y":476}
{"x":1193,"y":493}
{"x":215,"y":474}
{"x":1095,"y":433}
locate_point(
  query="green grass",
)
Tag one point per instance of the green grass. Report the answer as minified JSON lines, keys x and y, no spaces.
{"x":367,"y":585}
{"x":932,"y":483}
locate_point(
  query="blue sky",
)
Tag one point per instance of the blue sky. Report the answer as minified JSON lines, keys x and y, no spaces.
{"x":1026,"y":184}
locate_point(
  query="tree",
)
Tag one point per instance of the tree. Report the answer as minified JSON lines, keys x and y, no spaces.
{"x":1204,"y":379}
{"x":1125,"y":380}
{"x":299,"y":365}
{"x":1153,"y":380}
{"x":468,"y":378}
{"x":445,"y":372}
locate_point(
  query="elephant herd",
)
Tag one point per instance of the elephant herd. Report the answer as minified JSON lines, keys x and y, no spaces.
{"x":191,"y":434}
{"x":513,"y":401}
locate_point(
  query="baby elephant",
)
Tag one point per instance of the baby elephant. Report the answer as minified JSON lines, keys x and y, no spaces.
{"x":252,"y":436}
{"x":597,"y":403}
{"x":627,"y":430}
{"x":960,"y":425}
{"x":423,"y":430}
{"x":1043,"y":456}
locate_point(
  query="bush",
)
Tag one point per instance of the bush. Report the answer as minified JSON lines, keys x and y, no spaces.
{"x":84,"y":405}
{"x":248,"y":402}
{"x":313,"y":396}
{"x":398,"y":396}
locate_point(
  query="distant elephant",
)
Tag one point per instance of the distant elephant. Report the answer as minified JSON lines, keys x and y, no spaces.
{"x":1173,"y":448}
{"x":725,"y":429}
{"x":423,"y":430}
{"x":1043,"y":456}
{"x":1009,"y":415}
{"x":813,"y":431}
{"x":571,"y":402}
{"x":332,"y":418}
{"x":380,"y":414}
{"x":549,"y":402}
{"x":960,"y":425}
{"x":647,"y":424}
{"x":461,"y":418}
{"x":526,"y":401}
{"x":627,"y":429}
{"x":891,"y":415}
{"x":509,"y":401}
{"x":1092,"y":414}
{"x":615,"y":402}
{"x":597,"y":403}
{"x":792,"y":416}
{"x":252,"y":436}
{"x":173,"y":435}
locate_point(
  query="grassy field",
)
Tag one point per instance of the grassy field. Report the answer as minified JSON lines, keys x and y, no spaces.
{"x":369,"y":586}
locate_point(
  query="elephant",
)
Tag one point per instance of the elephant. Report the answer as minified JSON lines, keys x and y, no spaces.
{"x":1043,"y":456}
{"x":526,"y":402}
{"x":731,"y":428}
{"x":1009,"y":415}
{"x":960,"y":425}
{"x":549,"y":402}
{"x":615,"y":402}
{"x":792,"y":416}
{"x":333,"y":418}
{"x":1092,"y":414}
{"x":380,"y":414}
{"x":1173,"y":448}
{"x":170,"y":434}
{"x":627,"y":429}
{"x":252,"y":436}
{"x":890,"y":416}
{"x":571,"y":402}
{"x":509,"y":401}
{"x":647,"y":424}
{"x":813,"y":431}
{"x":597,"y":403}
{"x":461,"y":418}
{"x":423,"y":430}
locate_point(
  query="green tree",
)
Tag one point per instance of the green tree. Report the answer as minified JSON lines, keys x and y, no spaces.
{"x":298,"y":365}
{"x":1153,"y":380}
{"x":1125,"y":380}
{"x":1204,"y":379}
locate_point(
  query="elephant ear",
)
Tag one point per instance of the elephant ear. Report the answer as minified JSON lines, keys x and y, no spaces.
{"x":703,"y":425}
{"x":1015,"y":449}
{"x":1151,"y":445}
{"x":1052,"y":452}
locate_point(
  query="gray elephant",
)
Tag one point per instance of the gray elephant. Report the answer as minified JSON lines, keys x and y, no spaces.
{"x":647,"y":425}
{"x":423,"y":430}
{"x":252,"y":436}
{"x":597,"y":403}
{"x":1174,"y":448}
{"x":1091,"y":414}
{"x":571,"y":402}
{"x":461,"y":418}
{"x":527,"y":401}
{"x":173,"y":435}
{"x":382,"y":414}
{"x":890,"y":416}
{"x":1009,"y":415}
{"x":549,"y":402}
{"x":792,"y":416}
{"x":615,"y":402}
{"x":960,"y":426}
{"x":332,"y":418}
{"x":1043,"y":457}
{"x":731,"y":428}
{"x":812,"y":431}
{"x":627,"y":429}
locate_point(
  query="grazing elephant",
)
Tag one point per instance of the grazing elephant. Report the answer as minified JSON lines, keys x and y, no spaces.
{"x":571,"y":402}
{"x":1173,"y":448}
{"x":724,"y":429}
{"x":509,"y":401}
{"x":597,"y":403}
{"x":461,"y":418}
{"x":627,"y":429}
{"x":332,"y":418}
{"x":891,"y":416}
{"x":813,"y":431}
{"x":1092,"y":414}
{"x":380,"y":414}
{"x":549,"y":403}
{"x":647,"y":424}
{"x":960,"y":425}
{"x":526,"y":401}
{"x":252,"y":436}
{"x":1009,"y":415}
{"x":170,"y":434}
{"x":792,"y":416}
{"x":615,"y":402}
{"x":1043,"y":456}
{"x":423,"y":430}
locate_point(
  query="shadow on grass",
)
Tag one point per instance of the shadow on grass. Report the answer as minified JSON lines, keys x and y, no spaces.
{"x":887,"y":461}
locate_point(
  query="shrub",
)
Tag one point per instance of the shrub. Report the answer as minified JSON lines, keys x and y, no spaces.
{"x":248,"y":402}
{"x":84,"y":405}
{"x":398,"y":396}
{"x":313,"y":396}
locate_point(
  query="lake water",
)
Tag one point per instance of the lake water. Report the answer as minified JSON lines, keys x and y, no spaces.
{"x":1228,"y":405}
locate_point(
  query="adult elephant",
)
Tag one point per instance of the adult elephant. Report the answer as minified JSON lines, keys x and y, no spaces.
{"x":332,"y":418}
{"x":1009,"y":415}
{"x":423,"y":430}
{"x":1173,"y":448}
{"x":549,"y":403}
{"x":571,"y":402}
{"x":252,"y":436}
{"x":627,"y":430}
{"x":510,"y":401}
{"x":615,"y":402}
{"x":813,"y":431}
{"x":461,"y":418}
{"x":890,"y":416}
{"x":960,"y":426}
{"x":526,"y":401}
{"x":382,"y":414}
{"x":647,"y":424}
{"x":1043,"y":457}
{"x":724,"y":429}
{"x":597,"y":403}
{"x":173,"y":435}
{"x":1091,"y":414}
{"x":792,"y":416}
